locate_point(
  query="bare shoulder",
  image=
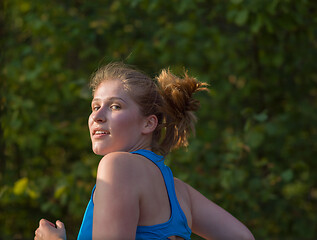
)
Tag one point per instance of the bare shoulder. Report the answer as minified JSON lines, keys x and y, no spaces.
{"x":119,"y":160}
{"x":116,"y":198}
{"x":118,"y":156}
{"x":118,"y":170}
{"x":119,"y":165}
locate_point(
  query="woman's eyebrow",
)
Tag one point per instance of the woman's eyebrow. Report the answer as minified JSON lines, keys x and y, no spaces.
{"x":109,"y":99}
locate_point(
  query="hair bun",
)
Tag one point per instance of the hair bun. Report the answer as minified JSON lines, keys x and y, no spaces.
{"x":179,"y":105}
{"x":178,"y":92}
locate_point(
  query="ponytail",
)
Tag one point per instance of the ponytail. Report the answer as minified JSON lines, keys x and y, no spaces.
{"x":178,"y":108}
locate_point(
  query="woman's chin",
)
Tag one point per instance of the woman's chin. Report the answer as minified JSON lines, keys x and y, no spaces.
{"x":99,"y":149}
{"x":100,"y":152}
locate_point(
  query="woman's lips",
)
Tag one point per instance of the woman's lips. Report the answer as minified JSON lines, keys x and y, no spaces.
{"x":100,"y":133}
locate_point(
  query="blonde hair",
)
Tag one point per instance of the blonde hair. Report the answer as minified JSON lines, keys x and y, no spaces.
{"x":168,"y":97}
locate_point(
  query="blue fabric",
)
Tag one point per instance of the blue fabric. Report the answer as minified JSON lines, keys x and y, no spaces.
{"x":175,"y":226}
{"x":85,"y":232}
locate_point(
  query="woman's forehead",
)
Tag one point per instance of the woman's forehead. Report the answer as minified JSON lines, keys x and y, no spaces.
{"x":109,"y":87}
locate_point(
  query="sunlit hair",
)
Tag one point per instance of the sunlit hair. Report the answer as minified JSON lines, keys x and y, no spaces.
{"x":168,"y":97}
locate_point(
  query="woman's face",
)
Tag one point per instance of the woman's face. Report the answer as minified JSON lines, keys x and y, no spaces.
{"x":115,"y":123}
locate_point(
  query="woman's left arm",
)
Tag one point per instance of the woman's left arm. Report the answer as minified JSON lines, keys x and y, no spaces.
{"x":116,"y":199}
{"x":213,"y":222}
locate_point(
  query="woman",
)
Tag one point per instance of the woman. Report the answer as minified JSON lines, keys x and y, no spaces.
{"x":136,"y":196}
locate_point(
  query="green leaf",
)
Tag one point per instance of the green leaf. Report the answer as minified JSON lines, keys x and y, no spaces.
{"x":60,"y":191}
{"x":297,"y":189}
{"x":287,"y":175}
{"x":242,"y":17}
{"x":32,"y":193}
{"x":20,"y":186}
{"x":261,"y":117}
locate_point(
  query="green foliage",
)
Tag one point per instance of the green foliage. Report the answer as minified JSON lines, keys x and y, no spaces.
{"x":256,"y":135}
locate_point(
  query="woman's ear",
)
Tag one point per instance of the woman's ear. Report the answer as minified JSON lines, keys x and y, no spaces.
{"x":150,"y":124}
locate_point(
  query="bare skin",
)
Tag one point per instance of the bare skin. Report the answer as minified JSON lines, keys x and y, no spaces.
{"x":48,"y":231}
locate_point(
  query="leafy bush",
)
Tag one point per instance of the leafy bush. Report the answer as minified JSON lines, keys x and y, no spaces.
{"x":256,"y":136}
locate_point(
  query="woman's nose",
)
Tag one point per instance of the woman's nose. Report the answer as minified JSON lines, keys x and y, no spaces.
{"x":99,"y":116}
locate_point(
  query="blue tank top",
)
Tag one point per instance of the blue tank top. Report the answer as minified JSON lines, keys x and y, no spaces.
{"x":175,"y":226}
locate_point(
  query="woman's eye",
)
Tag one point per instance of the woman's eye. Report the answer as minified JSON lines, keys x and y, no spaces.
{"x":115,"y":107}
{"x":95,"y":108}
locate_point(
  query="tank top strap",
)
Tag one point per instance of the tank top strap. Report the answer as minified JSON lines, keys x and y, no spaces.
{"x":177,"y":214}
{"x":165,"y":170}
{"x":167,"y":176}
{"x":157,"y":159}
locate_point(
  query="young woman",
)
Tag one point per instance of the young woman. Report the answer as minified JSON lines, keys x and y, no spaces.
{"x":134,"y":123}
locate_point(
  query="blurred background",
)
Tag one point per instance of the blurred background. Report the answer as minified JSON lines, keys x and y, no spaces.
{"x":255,"y":148}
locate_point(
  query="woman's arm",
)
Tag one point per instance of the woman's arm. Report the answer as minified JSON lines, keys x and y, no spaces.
{"x":212,"y":222}
{"x":116,"y":200}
